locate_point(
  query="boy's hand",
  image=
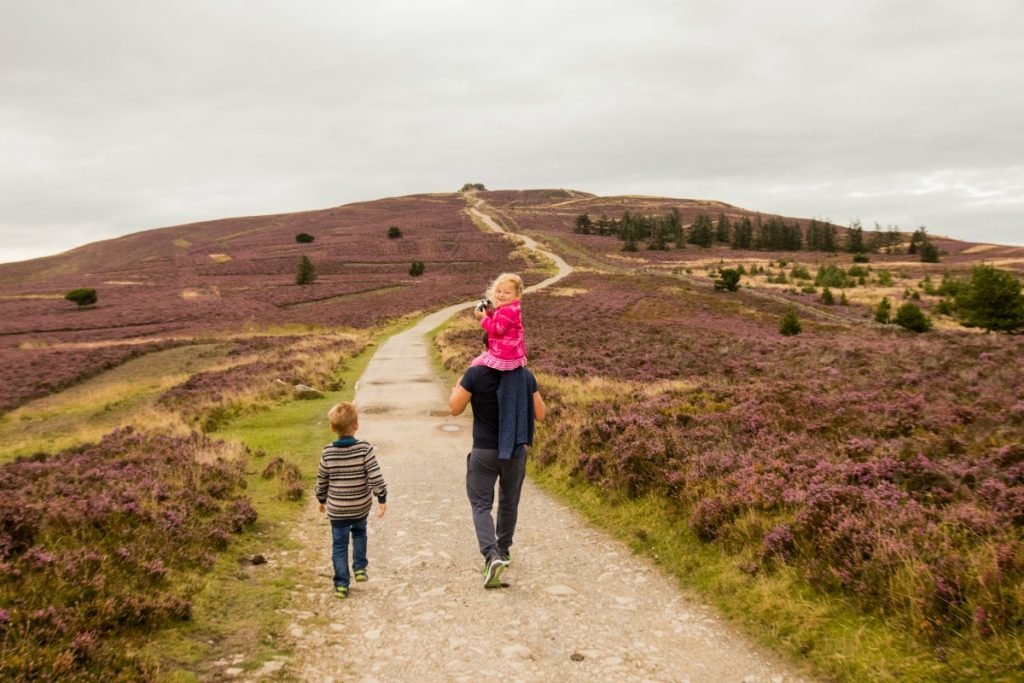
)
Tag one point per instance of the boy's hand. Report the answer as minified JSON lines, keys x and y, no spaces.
{"x":383,"y":508}
{"x":323,"y":508}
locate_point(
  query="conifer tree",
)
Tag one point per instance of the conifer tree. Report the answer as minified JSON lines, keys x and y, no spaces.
{"x":790,"y":324}
{"x":991,"y":300}
{"x":883,"y":311}
{"x":306,"y":273}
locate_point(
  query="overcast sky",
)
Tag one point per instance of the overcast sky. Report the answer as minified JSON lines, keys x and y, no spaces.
{"x":119,"y":116}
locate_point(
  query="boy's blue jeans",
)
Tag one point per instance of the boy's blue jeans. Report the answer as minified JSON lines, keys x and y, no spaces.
{"x":340,"y":530}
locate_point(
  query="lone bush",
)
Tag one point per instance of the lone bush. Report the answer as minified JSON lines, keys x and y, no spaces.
{"x":910,"y":317}
{"x":827,"y":298}
{"x":790,"y":324}
{"x":394,"y":232}
{"x":417,"y":268}
{"x":304,"y":238}
{"x":728,"y":280}
{"x":83,"y":296}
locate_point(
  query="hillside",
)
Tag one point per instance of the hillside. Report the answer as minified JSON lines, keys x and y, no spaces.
{"x":852,"y":495}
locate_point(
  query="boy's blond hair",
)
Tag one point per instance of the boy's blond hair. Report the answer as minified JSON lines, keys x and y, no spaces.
{"x":516,"y":281}
{"x":343,"y":417}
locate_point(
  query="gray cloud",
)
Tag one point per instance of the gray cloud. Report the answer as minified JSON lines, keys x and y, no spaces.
{"x":120,"y":116}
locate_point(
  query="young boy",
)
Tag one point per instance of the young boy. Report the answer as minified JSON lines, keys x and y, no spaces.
{"x":347,"y":474}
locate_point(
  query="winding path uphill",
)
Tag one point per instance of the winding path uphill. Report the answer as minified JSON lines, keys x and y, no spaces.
{"x":578,"y":605}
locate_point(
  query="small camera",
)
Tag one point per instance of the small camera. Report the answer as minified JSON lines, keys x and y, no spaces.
{"x":484,"y":305}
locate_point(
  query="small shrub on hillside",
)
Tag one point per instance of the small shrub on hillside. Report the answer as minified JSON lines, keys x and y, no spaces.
{"x":790,"y":324}
{"x":83,"y":296}
{"x":394,"y":232}
{"x":860,"y":258}
{"x":306,"y":274}
{"x":800,"y":273}
{"x":831,"y":276}
{"x":944,"y":307}
{"x":827,"y":298}
{"x":910,"y":317}
{"x":883,"y":311}
{"x":728,"y":280}
{"x":304,"y":238}
{"x":885,"y":278}
{"x":417,"y":268}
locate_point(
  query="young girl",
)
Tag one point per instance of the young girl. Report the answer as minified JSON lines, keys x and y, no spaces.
{"x":506,"y":348}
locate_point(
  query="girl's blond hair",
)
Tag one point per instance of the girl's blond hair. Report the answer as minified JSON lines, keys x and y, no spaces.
{"x":516,"y":281}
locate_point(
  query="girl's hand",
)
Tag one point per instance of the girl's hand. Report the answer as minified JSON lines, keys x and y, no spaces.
{"x":478,"y":314}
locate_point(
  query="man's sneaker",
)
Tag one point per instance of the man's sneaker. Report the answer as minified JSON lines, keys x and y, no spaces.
{"x":341,"y":592}
{"x":493,"y":571}
{"x":360,"y":575}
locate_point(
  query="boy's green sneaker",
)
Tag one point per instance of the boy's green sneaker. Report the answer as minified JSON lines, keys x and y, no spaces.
{"x":360,"y":575}
{"x":341,"y":592}
{"x":493,"y":571}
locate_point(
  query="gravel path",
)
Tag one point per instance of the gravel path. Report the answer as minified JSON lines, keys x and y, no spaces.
{"x":579,"y":606}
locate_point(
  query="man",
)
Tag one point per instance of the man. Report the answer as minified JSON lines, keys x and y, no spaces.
{"x":503,"y":417}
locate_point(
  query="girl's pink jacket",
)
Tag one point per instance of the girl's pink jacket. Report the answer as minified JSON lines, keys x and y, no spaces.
{"x":506,"y":347}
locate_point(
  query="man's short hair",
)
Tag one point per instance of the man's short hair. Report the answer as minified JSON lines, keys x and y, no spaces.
{"x":343,"y":418}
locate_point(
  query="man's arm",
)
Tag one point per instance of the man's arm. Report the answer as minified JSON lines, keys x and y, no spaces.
{"x":459,"y":399}
{"x":539,"y":409}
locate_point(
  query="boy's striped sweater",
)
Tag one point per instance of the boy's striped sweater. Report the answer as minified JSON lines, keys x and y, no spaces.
{"x":347,"y":474}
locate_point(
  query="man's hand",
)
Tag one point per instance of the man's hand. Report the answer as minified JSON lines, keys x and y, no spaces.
{"x":323,"y":508}
{"x":383,"y":507}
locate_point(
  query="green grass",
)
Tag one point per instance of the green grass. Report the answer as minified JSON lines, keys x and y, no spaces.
{"x":830,"y":637}
{"x":236,"y":606}
{"x":87,"y":411}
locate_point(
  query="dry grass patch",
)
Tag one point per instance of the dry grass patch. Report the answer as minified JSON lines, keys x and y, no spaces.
{"x":220,"y":258}
{"x":190,"y":293}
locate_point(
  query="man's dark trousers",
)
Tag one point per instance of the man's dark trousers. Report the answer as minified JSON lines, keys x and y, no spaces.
{"x":483,"y":469}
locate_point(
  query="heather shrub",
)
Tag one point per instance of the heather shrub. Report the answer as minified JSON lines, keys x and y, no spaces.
{"x":417,"y":268}
{"x":266,"y":370}
{"x":394,"y":232}
{"x":91,"y":540}
{"x":304,"y":238}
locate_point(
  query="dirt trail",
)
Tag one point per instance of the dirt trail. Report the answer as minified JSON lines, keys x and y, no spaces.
{"x":579,"y":606}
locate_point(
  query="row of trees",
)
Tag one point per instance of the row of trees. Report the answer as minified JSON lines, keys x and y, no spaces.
{"x":991,"y":299}
{"x":771,"y":234}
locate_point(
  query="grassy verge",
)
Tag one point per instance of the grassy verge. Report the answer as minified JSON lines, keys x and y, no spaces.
{"x":834,"y":639}
{"x":236,"y":606}
{"x":123,"y":395}
{"x":779,"y":610}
